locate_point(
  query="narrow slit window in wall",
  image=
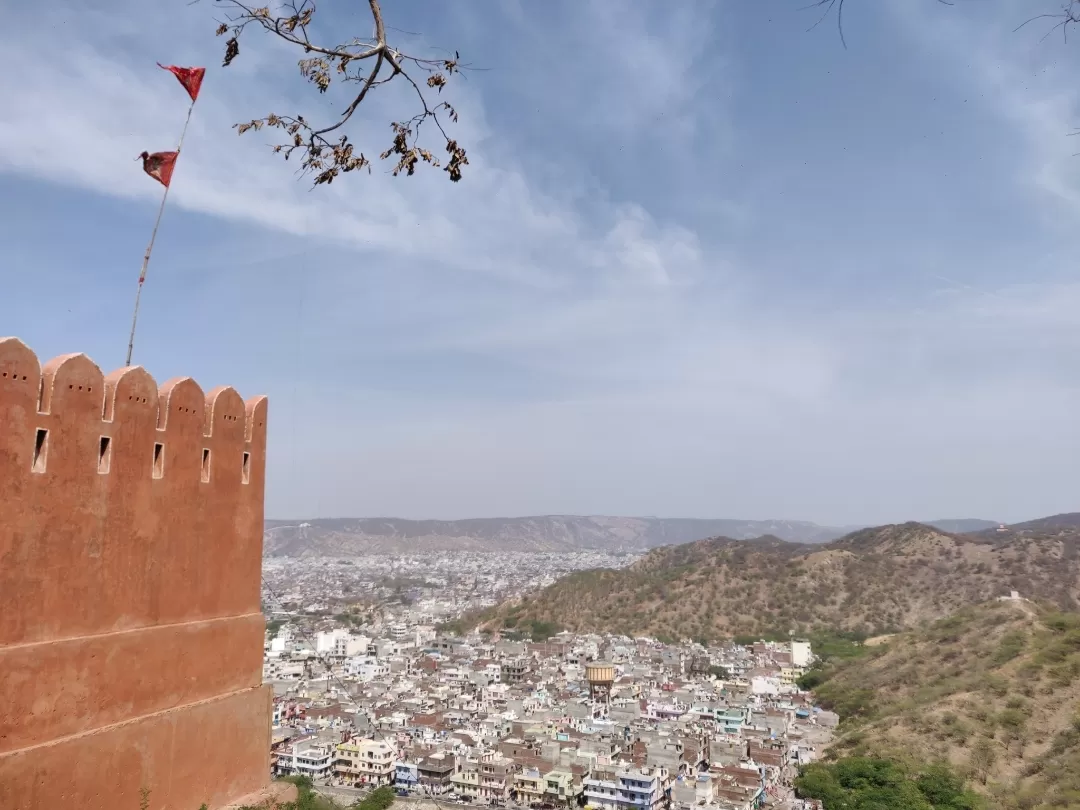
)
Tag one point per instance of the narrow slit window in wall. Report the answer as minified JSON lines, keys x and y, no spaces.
{"x":206,"y":465}
{"x":41,"y":450}
{"x":159,"y":460}
{"x":245,"y":476}
{"x":104,"y":458}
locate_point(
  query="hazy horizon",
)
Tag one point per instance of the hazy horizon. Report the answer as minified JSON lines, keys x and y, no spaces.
{"x":628,"y":517}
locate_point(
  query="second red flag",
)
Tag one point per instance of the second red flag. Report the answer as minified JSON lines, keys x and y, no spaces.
{"x":160,"y":165}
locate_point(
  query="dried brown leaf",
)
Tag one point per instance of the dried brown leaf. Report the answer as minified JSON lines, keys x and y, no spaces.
{"x":232,"y":50}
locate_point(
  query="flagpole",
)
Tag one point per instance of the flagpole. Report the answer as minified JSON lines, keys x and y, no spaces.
{"x":153,"y":236}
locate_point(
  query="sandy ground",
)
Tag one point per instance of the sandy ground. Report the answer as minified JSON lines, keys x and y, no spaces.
{"x":873,"y":642}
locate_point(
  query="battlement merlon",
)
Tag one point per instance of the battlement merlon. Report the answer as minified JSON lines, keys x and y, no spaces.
{"x":126,"y":505}
{"x":43,"y":408}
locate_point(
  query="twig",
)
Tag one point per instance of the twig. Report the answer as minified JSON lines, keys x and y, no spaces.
{"x":326,"y":158}
{"x":829,"y":5}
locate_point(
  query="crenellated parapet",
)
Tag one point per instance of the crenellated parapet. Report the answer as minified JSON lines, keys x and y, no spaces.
{"x":49,"y":411}
{"x":126,"y":503}
{"x":130,"y":563}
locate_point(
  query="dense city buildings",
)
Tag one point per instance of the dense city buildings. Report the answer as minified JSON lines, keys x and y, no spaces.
{"x":437,"y":585}
{"x":372,"y":692}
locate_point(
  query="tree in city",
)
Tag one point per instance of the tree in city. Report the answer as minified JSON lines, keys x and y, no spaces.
{"x":368,"y":63}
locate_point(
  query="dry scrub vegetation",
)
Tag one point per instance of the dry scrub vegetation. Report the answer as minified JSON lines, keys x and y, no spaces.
{"x":993,"y":689}
{"x":875,"y":581}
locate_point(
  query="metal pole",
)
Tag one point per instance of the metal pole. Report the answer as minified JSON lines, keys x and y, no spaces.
{"x":153,"y":236}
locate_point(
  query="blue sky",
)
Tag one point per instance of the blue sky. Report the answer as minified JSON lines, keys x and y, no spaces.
{"x":704,"y":262}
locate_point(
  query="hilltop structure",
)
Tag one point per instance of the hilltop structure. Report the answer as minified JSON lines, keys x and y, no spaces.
{"x":131,"y":633}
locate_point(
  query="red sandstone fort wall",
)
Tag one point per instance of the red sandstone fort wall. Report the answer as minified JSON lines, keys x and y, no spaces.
{"x":130,"y":562}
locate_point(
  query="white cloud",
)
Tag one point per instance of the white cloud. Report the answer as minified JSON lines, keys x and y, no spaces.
{"x":659,"y":373}
{"x":94,"y":108}
{"x":1026,"y":77}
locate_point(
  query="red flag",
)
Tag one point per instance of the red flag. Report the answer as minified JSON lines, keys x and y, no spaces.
{"x":160,"y":165}
{"x":191,"y":78}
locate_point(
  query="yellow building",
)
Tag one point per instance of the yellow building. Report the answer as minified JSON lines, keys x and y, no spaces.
{"x":370,"y":762}
{"x":788,"y":675}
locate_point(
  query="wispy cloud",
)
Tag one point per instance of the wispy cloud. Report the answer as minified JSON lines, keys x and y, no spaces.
{"x":679,"y":277}
{"x":1024,"y":73}
{"x":95,"y":108}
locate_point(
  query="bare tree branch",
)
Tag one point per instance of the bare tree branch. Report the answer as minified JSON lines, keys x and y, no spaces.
{"x":827,"y":7}
{"x":371,"y":62}
{"x":1067,"y":17}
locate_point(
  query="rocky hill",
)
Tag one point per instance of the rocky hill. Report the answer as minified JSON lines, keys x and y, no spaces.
{"x":993,"y":689}
{"x":351,"y":536}
{"x":873,"y":581}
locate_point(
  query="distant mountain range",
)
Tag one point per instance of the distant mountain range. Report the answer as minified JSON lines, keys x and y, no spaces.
{"x":548,"y":533}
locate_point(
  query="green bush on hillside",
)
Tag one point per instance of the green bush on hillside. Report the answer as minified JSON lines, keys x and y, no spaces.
{"x":859,"y":783}
{"x":812,"y":679}
{"x":541,"y":630}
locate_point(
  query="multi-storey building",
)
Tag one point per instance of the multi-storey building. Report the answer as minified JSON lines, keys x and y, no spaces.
{"x":495,"y":776}
{"x":638,"y":789}
{"x":369,"y":762}
{"x":308,"y":758}
{"x":406,"y":774}
{"x":560,"y":788}
{"x":529,"y":786}
{"x":602,"y":790}
{"x":466,"y":778}
{"x":641,"y":788}
{"x":435,"y":772}
{"x":514,"y":671}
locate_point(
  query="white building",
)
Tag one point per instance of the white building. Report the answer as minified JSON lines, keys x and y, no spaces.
{"x":275,"y":669}
{"x":629,"y":790}
{"x":308,"y":759}
{"x":366,"y":669}
{"x":326,"y":641}
{"x":348,"y":645}
{"x":801,"y":655}
{"x":764,"y":685}
{"x":280,"y":642}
